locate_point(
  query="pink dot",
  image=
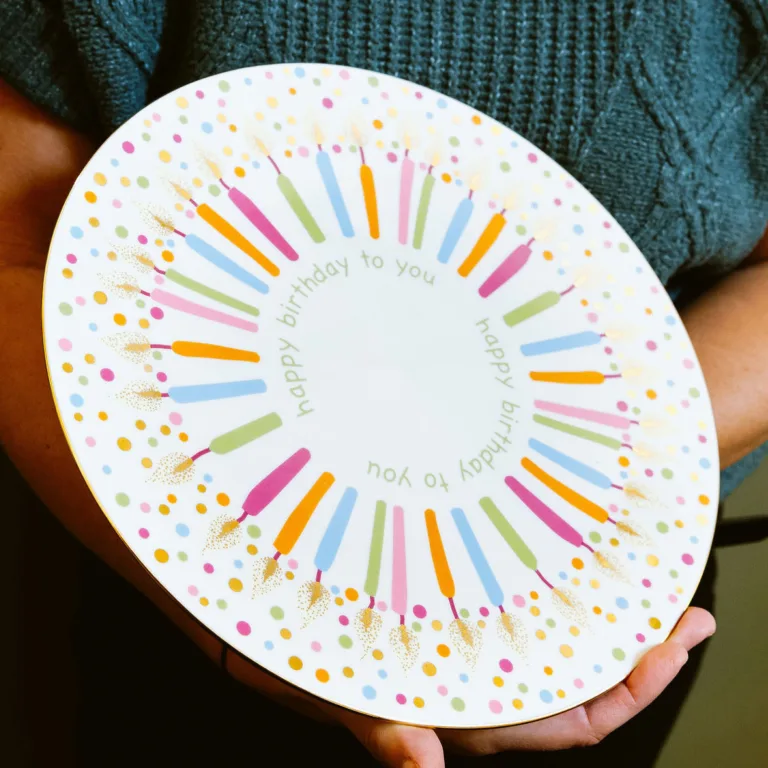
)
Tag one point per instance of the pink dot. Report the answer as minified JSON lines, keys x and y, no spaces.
{"x":128,"y":147}
{"x":651,"y":345}
{"x":162,"y":376}
{"x":578,"y":682}
{"x":483,"y":611}
{"x":592,"y":317}
{"x":199,"y":94}
{"x":156,"y":117}
{"x":381,"y":605}
{"x":144,"y":533}
{"x":532,"y":157}
{"x":269,"y":75}
{"x":80,"y":301}
{"x":400,"y":699}
{"x":144,"y":507}
{"x":672,"y":598}
{"x":640,"y":637}
{"x":654,"y":289}
{"x":385,"y":96}
{"x":116,"y":203}
{"x":569,"y":185}
{"x":177,"y":138}
{"x":419,"y":611}
{"x":622,"y":406}
{"x":243,"y":627}
{"x":422,"y":166}
{"x":189,"y":214}
{"x":609,"y":350}
{"x":303,"y":152}
{"x":107,"y":374}
{"x":71,"y":258}
{"x":343,"y":620}
{"x":344,"y":75}
{"x":65,"y":344}
{"x":607,"y":244}
{"x":336,"y":148}
{"x":193,"y":590}
{"x":649,"y":473}
{"x":208,"y":568}
{"x":607,"y":224}
{"x":688,"y":363}
{"x":159,"y":279}
{"x":454,"y":159}
{"x":90,"y":442}
{"x":506,"y":665}
{"x":442,"y":690}
{"x":646,"y":583}
{"x":221,"y":102}
{"x":558,"y":201}
{"x":293,"y":564}
{"x":626,"y":437}
{"x":685,"y":403}
{"x":687,"y":559}
{"x":613,"y":508}
{"x":492,"y":205}
{"x":142,"y":239}
{"x":519,"y":601}
{"x":680,"y":500}
{"x":157,"y":313}
{"x":419,"y":95}
{"x":316,"y":647}
{"x":392,"y":157}
{"x":175,"y":418}
{"x":702,"y":439}
{"x":327,"y":103}
{"x":494,"y":706}
{"x":478,"y":141}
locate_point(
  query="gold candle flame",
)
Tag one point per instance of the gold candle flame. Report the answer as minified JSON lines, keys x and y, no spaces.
{"x":569,"y":606}
{"x":512,"y":632}
{"x":466,"y":639}
{"x":407,"y":141}
{"x":267,"y":575}
{"x":367,"y":627}
{"x":609,"y":565}
{"x":318,"y":134}
{"x":215,"y":170}
{"x":435,"y":158}
{"x":174,"y":469}
{"x":314,"y":600}
{"x":225,"y":532}
{"x":358,"y":136}
{"x":261,"y":146}
{"x":405,"y":645}
{"x":143,"y":395}
{"x":131,"y":346}
{"x":475,"y":182}
{"x":181,"y":191}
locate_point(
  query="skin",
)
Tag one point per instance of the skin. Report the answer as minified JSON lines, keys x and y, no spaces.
{"x":40,"y":159}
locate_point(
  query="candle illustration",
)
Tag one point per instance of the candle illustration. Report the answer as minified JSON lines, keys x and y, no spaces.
{"x":543,"y":302}
{"x":369,"y":188}
{"x":488,"y":237}
{"x":458,"y":223}
{"x":255,"y":215}
{"x":510,"y":629}
{"x":465,"y":637}
{"x":402,"y":639}
{"x":573,"y":377}
{"x":563,"y":599}
{"x":585,"y":434}
{"x":367,"y":621}
{"x":561,"y":343}
{"x":586,"y":414}
{"x":145,"y":264}
{"x":178,"y":468}
{"x":314,"y":598}
{"x":607,"y":564}
{"x":124,"y":286}
{"x":293,"y":198}
{"x":332,"y":187}
{"x":406,"y":187}
{"x":267,"y":574}
{"x":424,"y":199}
{"x":227,"y":230}
{"x":146,"y":395}
{"x":225,"y":531}
{"x":137,"y":348}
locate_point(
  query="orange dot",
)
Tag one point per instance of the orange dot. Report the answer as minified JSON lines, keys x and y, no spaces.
{"x":534,"y":595}
{"x":201,"y":488}
{"x":292,"y":91}
{"x":111,"y":255}
{"x":90,"y":197}
{"x":171,"y":498}
{"x":679,"y":524}
{"x":93,"y":221}
{"x":476,"y":119}
{"x":614,"y":542}
{"x":203,"y":601}
{"x":654,"y":623}
{"x":143,"y":323}
{"x":123,"y":443}
{"x":498,"y":682}
{"x":67,"y":368}
{"x":285,"y":633}
{"x":252,"y":549}
{"x":322,"y":675}
{"x":183,"y":436}
{"x":165,"y":429}
{"x":223,"y":499}
{"x":547,"y":670}
{"x":378,"y":125}
{"x":103,"y":416}
{"x":541,"y":634}
{"x":597,"y":610}
{"x":648,"y":311}
{"x":164,"y":509}
{"x":146,"y":463}
{"x":577,"y":563}
{"x":548,"y":255}
{"x":161,"y":556}
{"x":446,"y":177}
{"x":67,"y":273}
{"x":295,"y":663}
{"x":288,"y":153}
{"x":623,"y":461}
{"x":377,"y":654}
{"x":703,"y":499}
{"x":236,"y":585}
{"x":348,"y":672}
{"x":517,"y":704}
{"x":78,"y":417}
{"x":167,"y":256}
{"x":351,"y":594}
{"x":201,"y":508}
{"x":119,"y":319}
{"x":418,"y":702}
{"x":100,"y":297}
{"x":584,"y":303}
{"x":289,"y":575}
{"x":650,"y":394}
{"x":140,"y":424}
{"x":587,"y":253}
{"x":233,"y":128}
{"x":566,"y":651}
{"x":239,"y":172}
{"x":443,"y":650}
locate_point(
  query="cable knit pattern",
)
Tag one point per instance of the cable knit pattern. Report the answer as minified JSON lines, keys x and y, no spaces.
{"x":659,"y":108}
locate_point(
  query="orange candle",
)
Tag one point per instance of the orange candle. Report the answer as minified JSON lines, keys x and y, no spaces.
{"x":568,"y":377}
{"x":483,"y":244}
{"x":297,"y":521}
{"x":439,"y":559}
{"x":213,"y":351}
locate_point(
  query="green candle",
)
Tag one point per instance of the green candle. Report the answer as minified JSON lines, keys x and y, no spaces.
{"x":421,"y":213}
{"x":508,"y":533}
{"x":532,"y":307}
{"x":245,"y":434}
{"x":374,"y":556}
{"x":299,"y":207}
{"x":586,"y":434}
{"x":204,"y":290}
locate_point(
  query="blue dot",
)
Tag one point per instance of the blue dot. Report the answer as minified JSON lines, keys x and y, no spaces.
{"x":208,"y":478}
{"x":369,"y":692}
{"x":430,"y":115}
{"x":335,"y":590}
{"x":442,"y":103}
{"x":269,"y":645}
{"x":513,"y":144}
{"x":185,"y":166}
{"x":114,"y":163}
{"x":76,"y":400}
{"x":534,"y":205}
{"x":670,"y":319}
{"x":299,"y":72}
{"x":382,"y":673}
{"x":686,"y":449}
{"x":561,"y":271}
{"x":93,"y":326}
{"x":459,"y":183}
{"x":182,"y":529}
{"x":546,"y":697}
{"x":248,"y":81}
{"x":694,"y":539}
{"x":578,"y":229}
{"x":597,"y":668}
{"x":624,"y":475}
{"x":464,"y":677}
{"x":107,"y":470}
{"x":256,"y":164}
{"x":638,"y":270}
{"x":632,"y":556}
{"x":622,"y":603}
{"x":76,"y":232}
{"x":364,"y":99}
{"x":238,"y":563}
{"x":207,"y":127}
{"x":704,"y":463}
{"x":563,"y":575}
{"x":94,"y":252}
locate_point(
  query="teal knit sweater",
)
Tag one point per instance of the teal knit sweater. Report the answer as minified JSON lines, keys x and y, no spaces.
{"x":659,"y":107}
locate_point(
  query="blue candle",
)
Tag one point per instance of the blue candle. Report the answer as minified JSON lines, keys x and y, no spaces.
{"x":492,"y":588}
{"x":199,"y":393}
{"x":455,"y":229}
{"x":571,"y":465}
{"x":329,"y":545}
{"x":218,"y":259}
{"x":334,"y":192}
{"x":561,"y":343}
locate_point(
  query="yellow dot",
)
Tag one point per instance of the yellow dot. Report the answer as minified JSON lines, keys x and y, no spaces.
{"x":322,"y":675}
{"x":203,"y":601}
{"x":289,"y":575}
{"x":252,"y":549}
{"x":292,"y":91}
{"x":566,"y":651}
{"x":594,"y":583}
{"x":547,"y":670}
{"x":223,"y":499}
{"x":171,"y":498}
{"x":377,"y":654}
{"x":103,"y":416}
{"x":702,"y":519}
{"x":147,"y":463}
{"x":167,"y":256}
{"x":392,"y":112}
{"x":498,"y":682}
{"x":418,"y":702}
{"x":679,"y":524}
{"x":143,"y":323}
{"x":652,"y":560}
{"x":481,"y":624}
{"x":429,"y":669}
{"x":560,"y":693}
{"x":90,"y":359}
{"x":351,"y":594}
{"x":679,"y":590}
{"x":100,"y":179}
{"x":67,"y":273}
{"x":123,"y":443}
{"x":348,"y":672}
{"x":232,"y":128}
{"x":165,"y":429}
{"x":93,"y":221}
{"x":611,"y":618}
{"x":587,"y":253}
{"x":78,"y":417}
{"x":201,"y":508}
{"x":222,"y":119}
{"x":201,"y":488}
{"x":575,"y":582}
{"x":437,"y":625}
{"x":541,"y":634}
{"x":443,"y":650}
{"x":272,"y":102}
{"x":182,"y":102}
{"x":111,"y":255}
{"x":575,"y":631}
{"x":119,"y":319}
{"x":164,"y":509}
{"x":91,"y":197}
{"x":614,"y":542}
{"x":704,"y":500}
{"x":517,"y":704}
{"x":239,"y":172}
{"x":161,"y":556}
{"x":339,"y":601}
{"x":235,"y":585}
{"x":650,"y":394}
{"x":654,"y":623}
{"x":535,"y":610}
{"x":125,"y":181}
{"x":577,"y":563}
{"x":259,"y":115}
{"x":295,"y":663}
{"x":140,"y":425}
{"x":476,"y":119}
{"x":285,"y":633}
{"x":67,"y":368}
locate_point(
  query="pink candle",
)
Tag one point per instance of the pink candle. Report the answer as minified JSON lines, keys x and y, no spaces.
{"x":399,"y":581}
{"x":507,"y":269}
{"x":585,"y":414}
{"x":406,"y":186}
{"x":256,"y":216}
{"x":191,"y":308}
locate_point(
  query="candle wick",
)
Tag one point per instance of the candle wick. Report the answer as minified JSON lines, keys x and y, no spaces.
{"x":319,"y":147}
{"x":372,"y":602}
{"x":362,"y":154}
{"x":611,"y":520}
{"x":528,"y":244}
{"x":617,"y":487}
{"x":429,"y":170}
{"x":407,"y":151}
{"x":402,"y":619}
{"x":276,"y":556}
{"x":160,"y":271}
{"x":192,"y":200}
{"x":179,"y":233}
{"x":627,"y":445}
{"x":612,"y":376}
{"x":164,"y":394}
{"x":160,"y":346}
{"x":200,"y":453}
{"x":471,"y":192}
{"x":242,"y":517}
{"x":224,"y":184}
{"x":586,"y":546}
{"x":503,"y":211}
{"x":453,"y":608}
{"x":567,"y":290}
{"x":318,"y":575}
{"x":274,"y":164}
{"x":541,"y":576}
{"x":633,"y":421}
{"x":144,"y":293}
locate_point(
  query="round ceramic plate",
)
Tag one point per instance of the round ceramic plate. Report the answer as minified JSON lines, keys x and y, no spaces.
{"x":381,"y":395}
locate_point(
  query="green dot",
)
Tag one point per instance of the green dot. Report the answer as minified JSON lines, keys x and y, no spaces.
{"x":595,"y":537}
{"x":523,"y":688}
{"x":253,"y":531}
{"x":140,"y":303}
{"x":122,"y":499}
{"x":153,"y":442}
{"x":373,"y":82}
{"x":464,"y":613}
{"x":183,"y":119}
{"x":315,"y":81}
{"x":65,"y":309}
{"x":662,"y":527}
{"x":145,"y":136}
{"x":182,"y":556}
{"x":454,"y":141}
{"x":276,"y":612}
{"x":614,"y":367}
{"x":645,"y":603}
{"x":693,"y":392}
{"x":576,"y":208}
{"x":395,"y":145}
{"x":121,"y":231}
{"x":458,"y":704}
{"x":623,"y":247}
{"x":618,"y":654}
{"x":636,"y":410}
{"x":505,"y":166}
{"x":667,"y":474}
{"x":353,"y":148}
{"x":416,"y":626}
{"x":214,"y":189}
{"x":520,"y":229}
{"x":551,"y":623}
{"x":547,"y":174}
{"x":223,"y":86}
{"x":606,"y":294}
{"x":83,"y":380}
{"x":345,"y":641}
{"x":143,"y":182}
{"x":157,"y":355}
{"x":673,"y":573}
{"x":221,"y":604}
